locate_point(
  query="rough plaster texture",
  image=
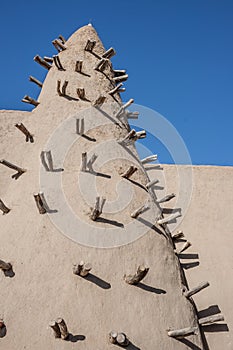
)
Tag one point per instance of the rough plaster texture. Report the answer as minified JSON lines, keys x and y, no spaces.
{"x":44,"y":286}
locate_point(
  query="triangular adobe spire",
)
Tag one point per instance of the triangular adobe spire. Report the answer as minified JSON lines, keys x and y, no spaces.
{"x":82,"y":187}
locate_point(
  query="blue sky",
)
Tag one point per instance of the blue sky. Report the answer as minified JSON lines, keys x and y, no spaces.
{"x":178,"y":54}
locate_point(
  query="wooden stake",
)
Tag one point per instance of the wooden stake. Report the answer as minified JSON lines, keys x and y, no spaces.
{"x":84,"y":162}
{"x":116,"y":89}
{"x":123,"y":108}
{"x":39,"y":203}
{"x":169,"y":218}
{"x":55,"y":328}
{"x":58,"y":45}
{"x":112,"y":337}
{"x":140,"y":274}
{"x":19,"y":170}
{"x":4,"y":208}
{"x":149,"y":159}
{"x":48,"y":59}
{"x":25,"y":131}
{"x":130,"y":137}
{"x":80,"y":126}
{"x":100,"y":100}
{"x":141,"y":134}
{"x":132,"y":115}
{"x":42,"y":62}
{"x":129,"y":172}
{"x":97,"y":210}
{"x":63,"y":40}
{"x":181,"y":333}
{"x":119,"y":72}
{"x":82,"y":269}
{"x":122,"y":339}
{"x":184,"y":247}
{"x":63,"y":328}
{"x":81,"y":94}
{"x":78,"y":66}
{"x":166,"y":198}
{"x":211,"y":319}
{"x":102,"y":65}
{"x":5,"y":266}
{"x":61,"y":90}
{"x":120,"y":78}
{"x":139,"y":211}
{"x":34,"y":80}
{"x":90,"y":45}
{"x":48,"y":154}
{"x":195,"y":290}
{"x":28,"y":99}
{"x":151,"y":183}
{"x":178,"y":235}
{"x":57,"y":62}
{"x":109,"y":53}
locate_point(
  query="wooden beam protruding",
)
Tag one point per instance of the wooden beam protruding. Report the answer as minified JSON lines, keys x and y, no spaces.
{"x":4,"y":208}
{"x":131,"y":115}
{"x":138,"y":276}
{"x":19,"y":170}
{"x":129,"y":172}
{"x":47,"y":160}
{"x":120,"y":78}
{"x":149,"y":159}
{"x":30,"y":100}
{"x":63,"y":40}
{"x":24,"y":130}
{"x":39,"y":203}
{"x":185,"y":246}
{"x":102,"y":65}
{"x":166,"y":198}
{"x":168,"y":219}
{"x":42,"y":62}
{"x":48,"y":59}
{"x":90,"y":45}
{"x":81,"y":94}
{"x":179,"y":234}
{"x":61,"y":90}
{"x":151,"y":183}
{"x":82,"y":269}
{"x":184,"y":332}
{"x":123,"y":108}
{"x":79,"y":66}
{"x":57,"y":43}
{"x":139,"y":211}
{"x":98,"y":208}
{"x":36,"y":81}
{"x":117,"y":89}
{"x":211,"y":319}
{"x":189,"y":293}
{"x":99,"y":101}
{"x":57,"y":62}
{"x":119,"y":72}
{"x":109,"y":53}
{"x":5,"y":266}
{"x":63,"y":328}
{"x":118,"y":338}
{"x":80,"y":126}
{"x":55,"y":328}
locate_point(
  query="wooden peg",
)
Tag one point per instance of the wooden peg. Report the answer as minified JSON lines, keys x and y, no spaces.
{"x":39,"y":203}
{"x":168,"y":219}
{"x":62,"y":90}
{"x":81,"y":94}
{"x":48,"y":59}
{"x":112,"y":337}
{"x":139,"y":211}
{"x":119,"y":72}
{"x":78,"y":66}
{"x":102,"y":65}
{"x":123,"y":108}
{"x":211,"y":319}
{"x":80,"y":126}
{"x":130,"y":137}
{"x":195,"y":290}
{"x":116,"y":89}
{"x":4,"y":208}
{"x":90,"y":45}
{"x":178,"y":235}
{"x":166,"y":198}
{"x":34,"y":80}
{"x":120,"y":78}
{"x":100,"y":100}
{"x":151,"y":183}
{"x":63,"y":328}
{"x":183,"y":248}
{"x":97,"y":210}
{"x":82,"y":269}
{"x":181,"y":333}
{"x":42,"y":62}
{"x":48,"y":164}
{"x":84,"y":162}
{"x":149,"y":159}
{"x":129,"y":172}
{"x":131,"y":115}
{"x":19,"y":170}
{"x":109,"y":53}
{"x":28,"y":99}
{"x":5,"y":266}
{"x":122,"y":339}
{"x":58,"y":45}
{"x":138,"y":276}
{"x":57,"y":62}
{"x":63,"y":40}
{"x":141,"y":134}
{"x":55,"y":328}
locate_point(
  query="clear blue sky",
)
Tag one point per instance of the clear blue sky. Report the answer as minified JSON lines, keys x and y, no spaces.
{"x":178,"y":54}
